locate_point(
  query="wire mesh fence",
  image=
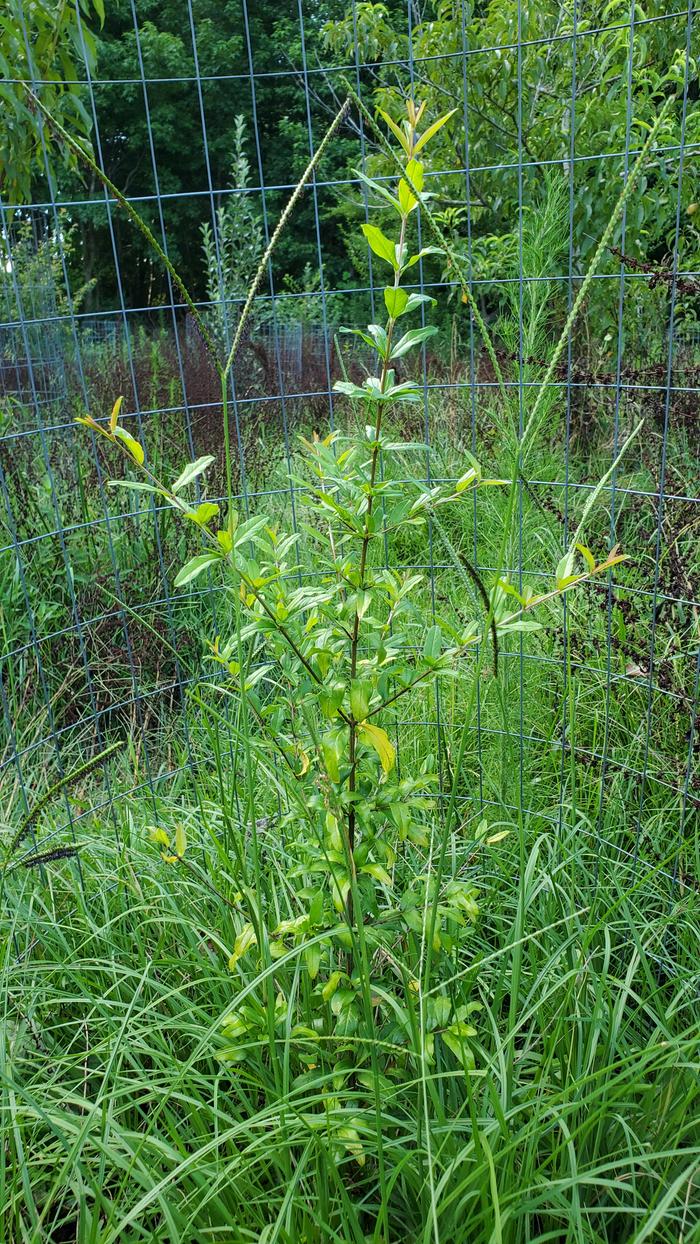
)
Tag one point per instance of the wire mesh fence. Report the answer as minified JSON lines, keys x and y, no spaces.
{"x":98,"y":643}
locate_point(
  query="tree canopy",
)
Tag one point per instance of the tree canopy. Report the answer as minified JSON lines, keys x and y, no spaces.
{"x":534,"y":84}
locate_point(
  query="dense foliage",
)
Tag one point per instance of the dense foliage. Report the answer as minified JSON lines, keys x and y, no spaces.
{"x":51,"y":45}
{"x":533,"y":84}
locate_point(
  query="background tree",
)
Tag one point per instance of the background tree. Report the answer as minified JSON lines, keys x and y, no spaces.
{"x":523,"y":95}
{"x":194,"y":137}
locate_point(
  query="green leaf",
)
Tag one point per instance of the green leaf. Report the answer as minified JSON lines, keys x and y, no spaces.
{"x":246,"y":938}
{"x":565,"y":568}
{"x":380,"y":874}
{"x":407,"y":391}
{"x":131,"y":443}
{"x":413,"y":919}
{"x":248,"y":529}
{"x":379,"y":740}
{"x":432,"y":644}
{"x":587,"y":556}
{"x":439,"y":1010}
{"x":115,"y":414}
{"x":396,"y":131}
{"x":333,"y":836}
{"x":432,"y":130}
{"x":204,"y":513}
{"x":359,"y":698}
{"x":379,"y":189}
{"x":396,"y":300}
{"x":331,"y":985}
{"x":357,"y":332}
{"x":415,"y":300}
{"x":362,"y":602}
{"x":380,"y":244}
{"x":135,"y":486}
{"x":191,"y":471}
{"x":407,"y":199}
{"x":467,"y":480}
{"x":412,"y":338}
{"x":340,"y":888}
{"x":316,"y":908}
{"x":521,"y":624}
{"x":342,"y":999}
{"x":195,"y":566}
{"x":455,"y":1038}
{"x":330,"y":700}
{"x":427,"y":250}
{"x":351,"y":1141}
{"x":332,"y":747}
{"x":375,"y":337}
{"x":180,"y":840}
{"x":352,"y":390}
{"x":312,"y":958}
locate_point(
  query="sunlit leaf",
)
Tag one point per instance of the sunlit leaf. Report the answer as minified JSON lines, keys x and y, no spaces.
{"x":415,"y":300}
{"x":249,"y":529}
{"x":115,"y":413}
{"x":204,"y":513}
{"x":331,"y":985}
{"x":427,"y":250}
{"x":565,"y":567}
{"x":89,"y":422}
{"x":312,"y":959}
{"x":135,"y":449}
{"x":351,"y":390}
{"x":407,"y":199}
{"x":380,"y":244}
{"x":350,"y":1138}
{"x":432,"y":130}
{"x":587,"y":556}
{"x":396,"y":300}
{"x":331,"y":747}
{"x":432,"y":644}
{"x":395,"y":129}
{"x":246,"y":938}
{"x":380,"y":741}
{"x":456,"y":1037}
{"x":135,"y":485}
{"x":378,"y":872}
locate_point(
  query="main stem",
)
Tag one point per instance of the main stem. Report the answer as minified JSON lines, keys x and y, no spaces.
{"x":364,"y":549}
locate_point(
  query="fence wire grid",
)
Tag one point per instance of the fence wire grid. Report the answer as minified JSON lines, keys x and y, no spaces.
{"x":97,"y":642}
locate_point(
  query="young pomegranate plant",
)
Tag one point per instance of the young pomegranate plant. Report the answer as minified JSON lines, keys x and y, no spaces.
{"x":319,"y":670}
{"x":351,"y":907}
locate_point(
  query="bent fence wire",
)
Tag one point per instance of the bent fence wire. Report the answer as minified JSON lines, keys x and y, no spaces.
{"x":98,"y":644}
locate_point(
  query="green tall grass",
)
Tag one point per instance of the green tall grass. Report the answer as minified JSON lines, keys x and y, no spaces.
{"x":577,"y":1122}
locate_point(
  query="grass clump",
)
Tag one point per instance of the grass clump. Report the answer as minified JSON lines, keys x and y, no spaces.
{"x":576,"y":1119}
